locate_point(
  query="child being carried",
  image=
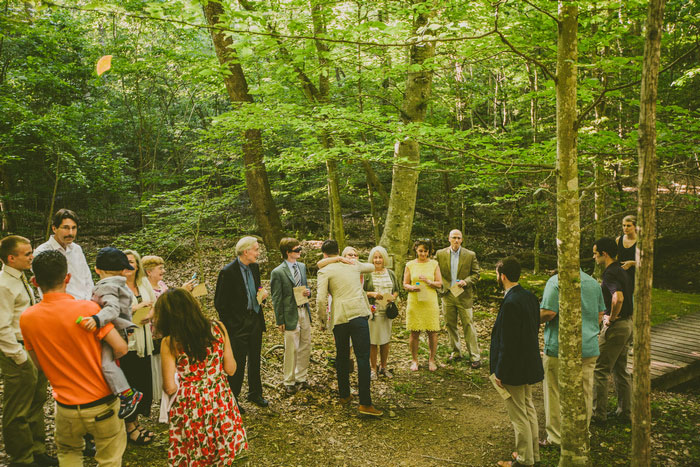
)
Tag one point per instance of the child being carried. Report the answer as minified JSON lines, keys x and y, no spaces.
{"x":115,"y":298}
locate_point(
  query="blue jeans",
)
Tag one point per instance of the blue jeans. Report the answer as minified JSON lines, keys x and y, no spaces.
{"x":356,"y":329}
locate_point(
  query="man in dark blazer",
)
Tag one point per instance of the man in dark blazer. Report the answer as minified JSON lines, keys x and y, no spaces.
{"x":293,"y":320}
{"x":238,"y":300}
{"x":515,"y":359}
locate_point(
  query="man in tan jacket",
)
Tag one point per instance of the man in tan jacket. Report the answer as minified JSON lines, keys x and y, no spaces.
{"x":460,"y":271}
{"x":349,"y":314}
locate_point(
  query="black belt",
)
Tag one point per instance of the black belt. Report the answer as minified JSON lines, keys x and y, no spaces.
{"x":104,"y":400}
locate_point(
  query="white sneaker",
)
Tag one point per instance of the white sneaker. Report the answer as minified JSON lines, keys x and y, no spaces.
{"x":372,"y":375}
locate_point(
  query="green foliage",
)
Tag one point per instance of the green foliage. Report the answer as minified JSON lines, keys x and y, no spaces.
{"x":155,"y":142}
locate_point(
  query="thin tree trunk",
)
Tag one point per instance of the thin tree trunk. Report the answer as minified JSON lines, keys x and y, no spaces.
{"x":375,"y":182}
{"x":404,"y":185}
{"x":53,"y":194}
{"x":264,"y":209}
{"x":8,"y":218}
{"x":337,"y":229}
{"x":646,"y":219}
{"x":574,"y":433}
{"x":322,"y":50}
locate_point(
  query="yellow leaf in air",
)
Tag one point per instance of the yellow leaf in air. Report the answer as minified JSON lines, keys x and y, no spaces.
{"x":104,"y":64}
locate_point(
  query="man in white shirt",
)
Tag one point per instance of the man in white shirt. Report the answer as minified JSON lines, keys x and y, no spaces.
{"x":65,"y":229}
{"x":24,"y":385}
{"x":349,"y":314}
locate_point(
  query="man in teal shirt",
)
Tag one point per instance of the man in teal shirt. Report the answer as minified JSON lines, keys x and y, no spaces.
{"x":592,"y":308}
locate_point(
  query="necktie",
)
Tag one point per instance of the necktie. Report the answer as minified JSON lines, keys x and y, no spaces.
{"x":252,"y":296}
{"x":28,"y":288}
{"x":297,"y":276}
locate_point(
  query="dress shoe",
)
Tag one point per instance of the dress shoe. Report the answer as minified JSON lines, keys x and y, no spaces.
{"x":290,"y":390}
{"x":303,"y":386}
{"x":370,"y":410}
{"x":547,"y":444}
{"x":476,"y":365}
{"x":454,"y":356}
{"x":89,"y":450}
{"x":345,"y":400}
{"x":45,"y":459}
{"x":260,"y":401}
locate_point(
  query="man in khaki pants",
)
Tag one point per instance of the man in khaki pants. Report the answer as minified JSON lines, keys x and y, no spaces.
{"x":24,"y":386}
{"x":292,"y":319}
{"x":70,"y":357}
{"x":592,"y":309}
{"x":459,"y":269}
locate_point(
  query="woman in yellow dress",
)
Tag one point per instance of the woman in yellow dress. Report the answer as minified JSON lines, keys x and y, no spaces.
{"x":421,"y":279}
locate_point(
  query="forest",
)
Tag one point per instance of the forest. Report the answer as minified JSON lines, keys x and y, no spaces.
{"x":370,"y":122}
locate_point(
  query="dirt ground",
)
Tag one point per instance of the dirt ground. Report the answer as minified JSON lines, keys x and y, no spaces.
{"x":452,"y":416}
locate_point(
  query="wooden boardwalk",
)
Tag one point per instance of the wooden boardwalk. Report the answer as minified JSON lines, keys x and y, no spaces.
{"x":675,"y":352}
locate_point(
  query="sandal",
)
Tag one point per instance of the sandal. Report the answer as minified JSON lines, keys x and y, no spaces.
{"x":149,"y":433}
{"x":142,"y":439}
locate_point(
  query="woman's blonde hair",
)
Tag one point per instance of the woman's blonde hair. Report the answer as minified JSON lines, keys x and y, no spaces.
{"x":140,"y":273}
{"x":382,"y":251}
{"x":151,"y":262}
{"x":630,"y":218}
{"x":348,"y":249}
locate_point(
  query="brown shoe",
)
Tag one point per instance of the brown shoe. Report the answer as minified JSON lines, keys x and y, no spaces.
{"x":370,"y":410}
{"x":345,"y":400}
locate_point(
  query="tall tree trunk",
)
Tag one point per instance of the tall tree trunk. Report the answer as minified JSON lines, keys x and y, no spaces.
{"x":404,"y":184}
{"x":337,"y":229}
{"x":322,"y":50}
{"x":57,"y":175}
{"x":264,"y":209}
{"x":6,"y":206}
{"x":574,"y":433}
{"x":646,"y":219}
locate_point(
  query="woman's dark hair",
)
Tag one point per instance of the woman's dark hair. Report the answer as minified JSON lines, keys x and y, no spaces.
{"x":179,"y":316}
{"x":425,"y":243}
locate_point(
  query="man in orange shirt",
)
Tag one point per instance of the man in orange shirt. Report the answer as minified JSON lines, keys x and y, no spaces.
{"x":71,"y":357}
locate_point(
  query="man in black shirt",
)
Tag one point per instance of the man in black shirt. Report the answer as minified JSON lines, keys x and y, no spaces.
{"x":616,"y":335}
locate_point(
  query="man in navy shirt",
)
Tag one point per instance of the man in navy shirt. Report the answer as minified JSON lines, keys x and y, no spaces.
{"x":616,"y":335}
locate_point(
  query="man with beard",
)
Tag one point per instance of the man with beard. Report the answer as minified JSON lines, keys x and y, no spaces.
{"x":515,"y":359}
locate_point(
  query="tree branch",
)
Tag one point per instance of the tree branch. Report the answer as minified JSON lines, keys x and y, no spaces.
{"x":556,"y":20}
{"x":545,"y":70}
{"x":410,"y":43}
{"x":630,"y":84}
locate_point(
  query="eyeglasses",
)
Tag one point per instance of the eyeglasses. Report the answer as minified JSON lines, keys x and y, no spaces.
{"x":296,"y":250}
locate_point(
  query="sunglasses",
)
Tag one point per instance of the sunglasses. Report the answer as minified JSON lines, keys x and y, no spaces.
{"x":297,"y":250}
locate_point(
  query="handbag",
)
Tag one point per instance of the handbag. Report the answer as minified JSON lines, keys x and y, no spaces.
{"x":392,"y":311}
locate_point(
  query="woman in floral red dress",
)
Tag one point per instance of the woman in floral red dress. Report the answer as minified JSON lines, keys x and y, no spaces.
{"x":205,"y":424}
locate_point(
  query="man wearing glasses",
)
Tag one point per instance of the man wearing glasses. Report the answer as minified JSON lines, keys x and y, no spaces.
{"x":65,"y":229}
{"x":293,"y":316}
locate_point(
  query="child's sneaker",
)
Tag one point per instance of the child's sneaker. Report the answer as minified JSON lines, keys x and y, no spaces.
{"x":129,"y":402}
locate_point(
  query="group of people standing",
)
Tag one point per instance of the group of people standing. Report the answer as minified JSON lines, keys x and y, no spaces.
{"x":166,"y":345}
{"x":516,"y":364}
{"x":71,"y":336}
